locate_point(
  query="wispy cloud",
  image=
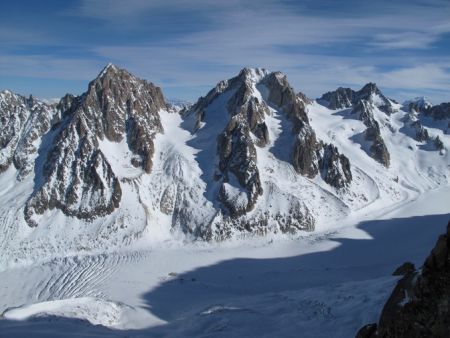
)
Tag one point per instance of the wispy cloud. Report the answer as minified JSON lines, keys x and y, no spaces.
{"x":397,"y":44}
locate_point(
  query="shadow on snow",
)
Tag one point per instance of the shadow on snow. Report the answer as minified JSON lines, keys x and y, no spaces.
{"x":208,"y":301}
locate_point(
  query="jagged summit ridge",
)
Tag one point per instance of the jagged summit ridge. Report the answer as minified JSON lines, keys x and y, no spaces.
{"x":245,"y":105}
{"x":364,"y":103}
{"x":77,"y":178}
{"x":251,"y":156}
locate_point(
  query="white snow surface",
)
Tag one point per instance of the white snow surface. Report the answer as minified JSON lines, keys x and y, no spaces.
{"x":325,"y":284}
{"x":135,"y":273}
{"x":179,"y":196}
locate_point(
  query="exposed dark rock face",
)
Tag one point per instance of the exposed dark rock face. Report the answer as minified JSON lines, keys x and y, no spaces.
{"x":306,"y":147}
{"x":309,"y":156}
{"x":419,"y":306}
{"x":235,"y":145}
{"x":438,"y":143}
{"x":283,"y":96}
{"x":237,"y":153}
{"x":250,"y":97}
{"x":199,"y":108}
{"x":439,"y":112}
{"x":378,"y":149}
{"x":23,"y":121}
{"x":346,"y":98}
{"x":306,"y":100}
{"x":76,"y":176}
{"x":362,"y":103}
{"x":339,"y":99}
{"x":238,"y":157}
{"x":334,"y":167}
{"x":417,"y":105}
{"x":421,"y":132}
{"x":404,"y":269}
{"x":372,"y":94}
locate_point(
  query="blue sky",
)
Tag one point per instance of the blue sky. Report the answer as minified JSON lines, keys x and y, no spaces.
{"x":49,"y":48}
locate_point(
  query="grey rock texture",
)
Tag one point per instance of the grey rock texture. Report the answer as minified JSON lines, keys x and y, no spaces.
{"x":421,"y":132}
{"x":438,"y":143}
{"x":305,"y":154}
{"x":334,"y":167}
{"x":439,"y":112}
{"x":378,"y":150}
{"x":419,"y":306}
{"x":417,"y":105}
{"x":346,"y":98}
{"x":66,"y":151}
{"x":76,"y":176}
{"x":23,"y":122}
{"x":245,"y":129}
{"x":339,"y":99}
{"x":282,"y":96}
{"x":235,"y":145}
{"x":362,"y":103}
{"x":371,"y":93}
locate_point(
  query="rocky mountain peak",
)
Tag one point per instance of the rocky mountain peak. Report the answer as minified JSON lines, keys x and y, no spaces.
{"x":368,"y":89}
{"x":109,"y":69}
{"x":252,"y":75}
{"x":338,"y":99}
{"x":363,"y":103}
{"x":77,"y":176}
{"x":417,"y":104}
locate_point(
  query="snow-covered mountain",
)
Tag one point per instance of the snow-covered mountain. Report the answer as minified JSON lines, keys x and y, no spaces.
{"x":119,"y":165}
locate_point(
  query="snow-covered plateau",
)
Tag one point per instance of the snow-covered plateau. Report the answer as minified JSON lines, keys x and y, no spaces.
{"x":255,"y":212}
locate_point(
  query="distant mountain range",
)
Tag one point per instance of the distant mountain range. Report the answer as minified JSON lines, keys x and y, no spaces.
{"x":119,"y":163}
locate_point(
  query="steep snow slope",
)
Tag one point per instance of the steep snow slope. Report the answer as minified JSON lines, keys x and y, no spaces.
{"x":415,"y":166}
{"x":251,"y":157}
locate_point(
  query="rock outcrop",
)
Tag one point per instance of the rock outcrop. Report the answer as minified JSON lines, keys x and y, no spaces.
{"x":76,"y":177}
{"x":23,"y":122}
{"x":306,"y":145}
{"x":439,"y":112}
{"x":363,"y":103}
{"x":438,"y":144}
{"x":417,"y":105}
{"x":419,"y":306}
{"x":378,"y":150}
{"x":339,"y":99}
{"x":421,"y":132}
{"x":243,"y":104}
{"x":334,"y":167}
{"x":239,"y":173}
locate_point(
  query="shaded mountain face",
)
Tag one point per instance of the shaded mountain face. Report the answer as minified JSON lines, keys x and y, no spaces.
{"x":439,"y":112}
{"x":363,"y":104}
{"x":419,"y":305}
{"x":72,"y":173}
{"x":417,"y":104}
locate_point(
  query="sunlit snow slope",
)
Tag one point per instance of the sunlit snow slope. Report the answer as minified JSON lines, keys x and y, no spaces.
{"x":117,"y":167}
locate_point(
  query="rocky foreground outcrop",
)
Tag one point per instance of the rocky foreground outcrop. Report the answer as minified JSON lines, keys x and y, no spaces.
{"x":419,"y":306}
